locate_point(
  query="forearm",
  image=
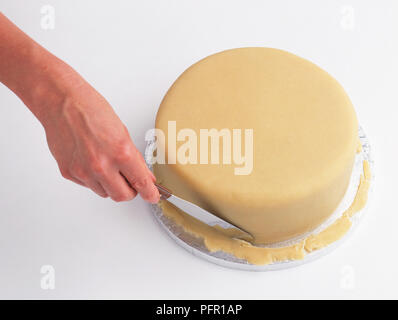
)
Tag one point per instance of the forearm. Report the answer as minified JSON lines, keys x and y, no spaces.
{"x":35,"y":75}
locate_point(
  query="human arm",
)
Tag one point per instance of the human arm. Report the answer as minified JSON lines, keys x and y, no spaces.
{"x":89,"y":142}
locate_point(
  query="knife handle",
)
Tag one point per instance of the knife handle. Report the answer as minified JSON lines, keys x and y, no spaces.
{"x":164,"y":192}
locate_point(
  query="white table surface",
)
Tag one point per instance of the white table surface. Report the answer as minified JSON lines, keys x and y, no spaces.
{"x":131,"y":52}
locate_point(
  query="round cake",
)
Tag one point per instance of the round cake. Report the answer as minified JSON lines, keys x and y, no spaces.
{"x":304,"y":139}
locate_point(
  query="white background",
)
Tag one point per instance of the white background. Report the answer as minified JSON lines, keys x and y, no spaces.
{"x":131,"y":52}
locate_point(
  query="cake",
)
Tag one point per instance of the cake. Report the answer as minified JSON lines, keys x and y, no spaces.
{"x":304,"y":133}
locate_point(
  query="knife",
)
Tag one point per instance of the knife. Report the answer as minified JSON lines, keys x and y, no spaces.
{"x":194,"y":210}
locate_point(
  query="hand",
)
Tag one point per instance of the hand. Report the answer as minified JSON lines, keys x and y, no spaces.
{"x":93,"y":147}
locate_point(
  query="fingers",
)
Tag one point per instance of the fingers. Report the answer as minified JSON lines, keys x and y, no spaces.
{"x":140,"y":177}
{"x":78,"y":176}
{"x":117,"y":188}
{"x":121,"y":179}
{"x":152,"y":176}
{"x":67,"y":175}
{"x":103,"y":179}
{"x":97,"y":188}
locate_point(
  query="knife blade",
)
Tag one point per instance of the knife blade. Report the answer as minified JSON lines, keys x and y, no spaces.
{"x":195,"y":211}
